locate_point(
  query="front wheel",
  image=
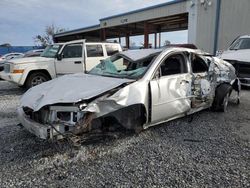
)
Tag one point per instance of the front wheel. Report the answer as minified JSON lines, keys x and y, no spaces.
{"x":221,"y":98}
{"x":35,"y":79}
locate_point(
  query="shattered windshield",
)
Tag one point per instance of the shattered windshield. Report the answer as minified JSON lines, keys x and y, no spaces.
{"x":51,"y":51}
{"x":121,"y":67}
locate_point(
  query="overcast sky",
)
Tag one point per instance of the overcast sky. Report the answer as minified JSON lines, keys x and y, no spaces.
{"x":21,"y":20}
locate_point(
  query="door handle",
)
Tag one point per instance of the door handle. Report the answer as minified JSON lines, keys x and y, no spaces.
{"x":77,"y":62}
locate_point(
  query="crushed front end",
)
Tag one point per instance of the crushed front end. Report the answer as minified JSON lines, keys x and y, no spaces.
{"x":59,"y":121}
{"x":51,"y":122}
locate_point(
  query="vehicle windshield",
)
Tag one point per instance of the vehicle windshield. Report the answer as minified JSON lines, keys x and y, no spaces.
{"x":121,"y":67}
{"x":241,"y":44}
{"x":51,"y":51}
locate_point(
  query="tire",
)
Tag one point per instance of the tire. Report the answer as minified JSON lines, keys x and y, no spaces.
{"x":238,"y":101}
{"x":222,"y":95}
{"x":225,"y":103}
{"x":35,"y":79}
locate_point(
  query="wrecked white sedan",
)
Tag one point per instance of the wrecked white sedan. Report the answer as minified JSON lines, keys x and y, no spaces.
{"x":133,"y":89}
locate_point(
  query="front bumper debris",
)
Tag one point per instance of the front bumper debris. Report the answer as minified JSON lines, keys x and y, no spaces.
{"x":40,"y":130}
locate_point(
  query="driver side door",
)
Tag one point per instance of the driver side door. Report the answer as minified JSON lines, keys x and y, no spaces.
{"x":72,"y":59}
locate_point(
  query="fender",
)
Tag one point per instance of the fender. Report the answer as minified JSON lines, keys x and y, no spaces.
{"x":131,"y":117}
{"x":48,"y":67}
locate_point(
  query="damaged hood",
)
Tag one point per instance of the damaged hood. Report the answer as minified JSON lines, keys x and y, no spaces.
{"x":69,"y":89}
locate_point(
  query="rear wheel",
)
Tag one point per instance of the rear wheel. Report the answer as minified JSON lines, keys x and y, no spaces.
{"x":36,"y":78}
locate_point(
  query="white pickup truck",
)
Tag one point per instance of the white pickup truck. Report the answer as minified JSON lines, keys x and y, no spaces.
{"x":58,"y":59}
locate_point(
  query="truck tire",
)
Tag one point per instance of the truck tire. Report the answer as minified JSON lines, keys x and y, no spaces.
{"x":35,"y":79}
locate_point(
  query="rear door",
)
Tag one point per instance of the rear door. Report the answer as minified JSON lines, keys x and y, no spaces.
{"x":72,"y":59}
{"x":203,"y":86}
{"x":94,"y":53}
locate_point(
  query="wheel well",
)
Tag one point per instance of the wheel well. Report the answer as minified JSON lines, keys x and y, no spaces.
{"x":41,"y":70}
{"x":220,"y":93}
{"x":130,"y":117}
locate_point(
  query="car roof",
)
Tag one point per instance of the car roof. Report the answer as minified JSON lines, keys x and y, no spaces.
{"x":136,"y":55}
{"x":139,"y":54}
{"x":245,"y":36}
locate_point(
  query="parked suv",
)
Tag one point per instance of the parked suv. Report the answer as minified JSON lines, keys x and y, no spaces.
{"x":238,"y":54}
{"x":58,"y":59}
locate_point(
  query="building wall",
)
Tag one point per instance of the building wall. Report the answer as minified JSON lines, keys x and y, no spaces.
{"x":234,"y":21}
{"x":201,"y":30}
{"x":206,"y":30}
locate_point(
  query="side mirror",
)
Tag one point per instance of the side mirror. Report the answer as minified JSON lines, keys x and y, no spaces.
{"x":59,"y":57}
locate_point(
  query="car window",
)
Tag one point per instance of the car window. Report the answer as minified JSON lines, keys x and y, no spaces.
{"x":198,"y":64}
{"x":111,"y":49}
{"x":72,"y":51}
{"x":51,"y":51}
{"x":175,"y":64}
{"x":94,"y":50}
{"x":245,"y":44}
{"x":241,"y":44}
{"x":121,"y":66}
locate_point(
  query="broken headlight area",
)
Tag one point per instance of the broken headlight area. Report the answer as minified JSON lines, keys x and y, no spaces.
{"x":59,"y":120}
{"x":68,"y":115}
{"x":56,"y":122}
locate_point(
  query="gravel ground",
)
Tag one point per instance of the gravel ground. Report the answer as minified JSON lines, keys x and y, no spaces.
{"x":211,"y":151}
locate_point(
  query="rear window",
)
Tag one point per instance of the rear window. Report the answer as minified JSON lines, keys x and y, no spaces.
{"x":111,"y":49}
{"x":94,"y":50}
